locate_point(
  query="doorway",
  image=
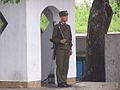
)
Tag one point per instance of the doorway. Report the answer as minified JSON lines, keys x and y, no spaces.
{"x":49,"y":15}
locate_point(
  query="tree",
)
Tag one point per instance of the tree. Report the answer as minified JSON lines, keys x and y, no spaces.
{"x":11,"y":1}
{"x":98,"y":25}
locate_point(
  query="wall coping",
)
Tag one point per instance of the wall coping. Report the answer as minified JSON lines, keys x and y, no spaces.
{"x":109,"y":33}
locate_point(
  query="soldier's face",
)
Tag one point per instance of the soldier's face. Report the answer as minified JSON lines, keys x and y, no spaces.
{"x":64,"y":18}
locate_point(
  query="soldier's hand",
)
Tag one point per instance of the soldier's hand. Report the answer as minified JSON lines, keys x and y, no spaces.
{"x":63,"y":41}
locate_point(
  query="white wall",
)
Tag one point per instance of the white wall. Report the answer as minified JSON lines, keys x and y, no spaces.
{"x":13,"y":45}
{"x":112,"y":57}
{"x":20,"y":43}
{"x":34,"y":9}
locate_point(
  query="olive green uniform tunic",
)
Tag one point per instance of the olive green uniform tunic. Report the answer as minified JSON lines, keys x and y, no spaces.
{"x":62,"y":50}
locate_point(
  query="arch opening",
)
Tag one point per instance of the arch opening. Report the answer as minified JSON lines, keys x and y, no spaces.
{"x":48,"y":17}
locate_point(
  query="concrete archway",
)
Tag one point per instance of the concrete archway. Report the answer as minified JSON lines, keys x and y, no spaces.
{"x":51,"y":13}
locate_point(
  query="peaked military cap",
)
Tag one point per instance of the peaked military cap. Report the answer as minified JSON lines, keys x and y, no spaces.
{"x":63,"y":13}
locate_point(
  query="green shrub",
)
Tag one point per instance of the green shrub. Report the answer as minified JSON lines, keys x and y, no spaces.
{"x":115,"y":24}
{"x":81,"y":18}
{"x":1,"y":24}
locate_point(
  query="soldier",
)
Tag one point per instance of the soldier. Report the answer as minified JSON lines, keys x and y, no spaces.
{"x":62,"y":38}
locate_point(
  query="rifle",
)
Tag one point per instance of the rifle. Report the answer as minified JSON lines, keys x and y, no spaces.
{"x":54,"y":46}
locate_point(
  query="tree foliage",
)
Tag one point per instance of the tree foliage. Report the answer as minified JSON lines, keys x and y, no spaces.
{"x":81,"y":18}
{"x":82,"y":14}
{"x":118,"y":2}
{"x":11,"y":1}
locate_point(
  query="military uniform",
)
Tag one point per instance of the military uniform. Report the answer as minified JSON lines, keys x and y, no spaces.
{"x":62,"y":50}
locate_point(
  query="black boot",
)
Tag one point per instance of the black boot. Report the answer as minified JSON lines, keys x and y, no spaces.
{"x":68,"y":85}
{"x":64,"y":85}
